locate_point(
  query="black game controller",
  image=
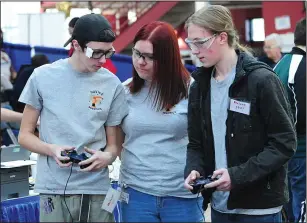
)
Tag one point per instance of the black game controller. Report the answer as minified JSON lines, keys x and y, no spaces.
{"x":199,"y":183}
{"x":75,"y":157}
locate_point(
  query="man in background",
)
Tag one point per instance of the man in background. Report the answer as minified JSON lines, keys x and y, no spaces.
{"x":23,"y":76}
{"x":292,"y":72}
{"x":8,"y":73}
{"x":71,"y":26}
{"x":272,"y":50}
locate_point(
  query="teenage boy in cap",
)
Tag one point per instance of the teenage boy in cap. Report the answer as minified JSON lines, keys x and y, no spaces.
{"x":108,"y":63}
{"x":80,"y":106}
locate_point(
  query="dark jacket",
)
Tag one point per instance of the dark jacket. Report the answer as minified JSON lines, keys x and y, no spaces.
{"x":258,"y":145}
{"x":269,"y":61}
{"x":20,"y":82}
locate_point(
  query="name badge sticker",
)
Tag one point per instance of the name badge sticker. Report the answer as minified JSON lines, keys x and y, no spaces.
{"x":240,"y":106}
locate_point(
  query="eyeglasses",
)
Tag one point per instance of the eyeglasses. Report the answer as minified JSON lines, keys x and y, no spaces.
{"x":147,"y":57}
{"x":200,"y":43}
{"x":97,"y":54}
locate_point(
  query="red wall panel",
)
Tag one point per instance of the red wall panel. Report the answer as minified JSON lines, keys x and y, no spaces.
{"x":271,"y":10}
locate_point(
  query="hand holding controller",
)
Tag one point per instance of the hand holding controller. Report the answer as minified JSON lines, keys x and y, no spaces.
{"x":75,"y":157}
{"x":199,"y":183}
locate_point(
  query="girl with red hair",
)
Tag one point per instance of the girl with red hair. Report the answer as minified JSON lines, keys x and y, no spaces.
{"x":155,"y":131}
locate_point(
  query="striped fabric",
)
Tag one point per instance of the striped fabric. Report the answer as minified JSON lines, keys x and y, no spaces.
{"x":303,"y":212}
{"x":291,"y":70}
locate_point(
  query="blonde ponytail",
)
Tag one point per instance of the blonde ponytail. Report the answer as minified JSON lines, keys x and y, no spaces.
{"x":245,"y":49}
{"x":217,"y":19}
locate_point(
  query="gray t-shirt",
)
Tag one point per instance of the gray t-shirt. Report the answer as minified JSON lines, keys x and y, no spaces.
{"x":154,"y":151}
{"x":74,"y":110}
{"x":219,"y":106}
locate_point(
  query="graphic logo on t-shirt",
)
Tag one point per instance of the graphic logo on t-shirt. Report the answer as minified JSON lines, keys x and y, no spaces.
{"x":169,"y":110}
{"x":95,"y":100}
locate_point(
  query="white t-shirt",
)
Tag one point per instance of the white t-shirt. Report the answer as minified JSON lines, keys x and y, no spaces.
{"x":155,"y":147}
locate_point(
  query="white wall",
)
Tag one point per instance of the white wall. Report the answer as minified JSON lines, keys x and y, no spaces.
{"x":23,"y":23}
{"x":43,"y":29}
{"x":199,"y":5}
{"x":9,"y":18}
{"x":287,"y":42}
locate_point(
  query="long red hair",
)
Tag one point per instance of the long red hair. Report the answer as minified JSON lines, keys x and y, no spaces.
{"x":171,"y":79}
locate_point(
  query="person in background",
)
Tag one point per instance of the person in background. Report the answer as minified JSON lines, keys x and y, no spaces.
{"x":8,"y":74}
{"x":272,"y":49}
{"x":71,"y":26}
{"x":108,"y":64}
{"x":155,"y":131}
{"x":22,"y":78}
{"x":240,"y":125}
{"x":8,"y":115}
{"x":292,"y":72}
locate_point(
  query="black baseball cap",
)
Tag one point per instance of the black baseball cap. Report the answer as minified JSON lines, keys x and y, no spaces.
{"x":92,"y":27}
